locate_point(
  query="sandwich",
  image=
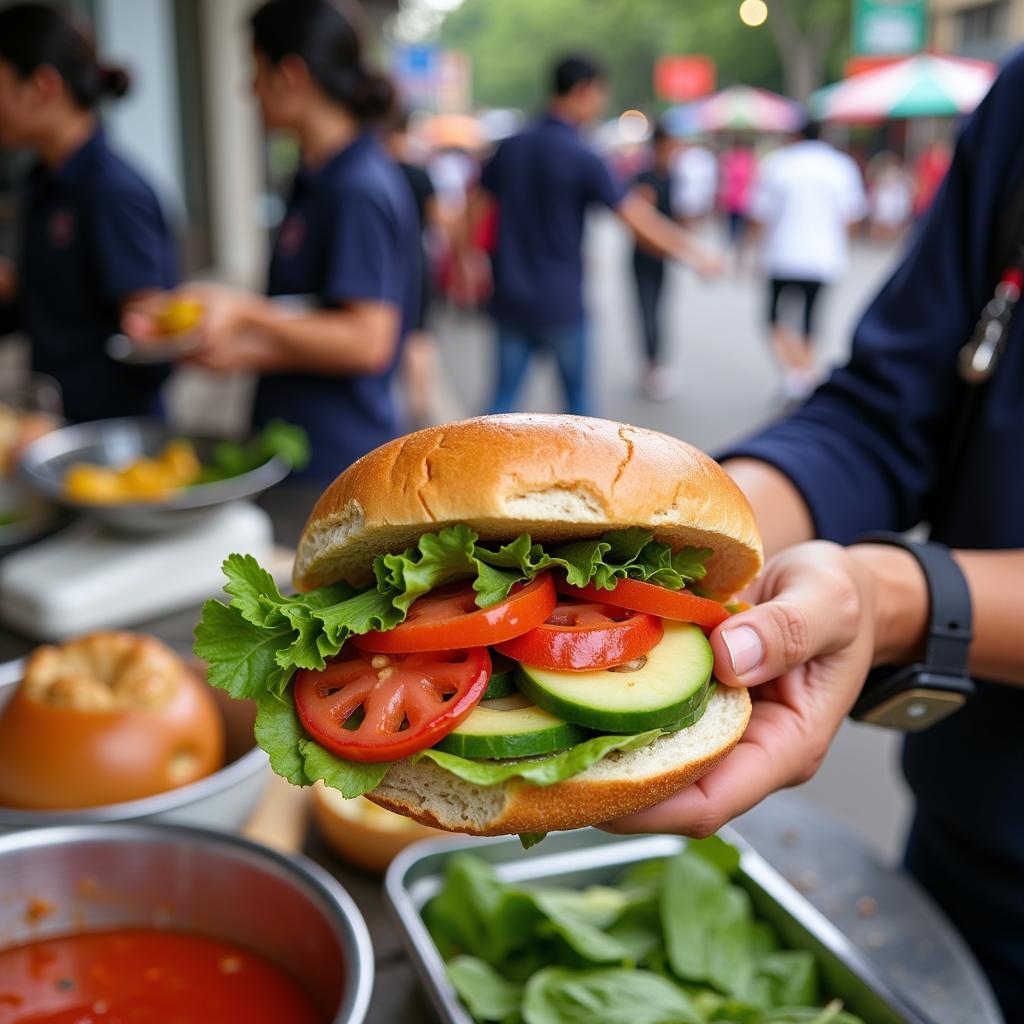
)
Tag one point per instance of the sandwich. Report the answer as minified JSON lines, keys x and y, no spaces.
{"x":500,"y":626}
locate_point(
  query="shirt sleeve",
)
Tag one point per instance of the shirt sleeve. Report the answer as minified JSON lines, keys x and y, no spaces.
{"x":865,"y":450}
{"x":599,"y":184}
{"x":133,"y":248}
{"x":364,"y":262}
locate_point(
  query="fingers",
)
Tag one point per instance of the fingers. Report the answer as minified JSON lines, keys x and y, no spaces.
{"x":773,"y":754}
{"x":811,"y":609}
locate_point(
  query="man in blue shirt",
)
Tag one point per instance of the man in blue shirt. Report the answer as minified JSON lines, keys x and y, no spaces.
{"x":543,"y":181}
{"x":864,"y":453}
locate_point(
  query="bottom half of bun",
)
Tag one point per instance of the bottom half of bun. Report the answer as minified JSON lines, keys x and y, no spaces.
{"x":619,"y":784}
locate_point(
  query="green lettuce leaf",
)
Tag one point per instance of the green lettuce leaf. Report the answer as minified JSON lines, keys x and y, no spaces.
{"x":279,"y":732}
{"x":541,"y":771}
{"x":350,"y":778}
{"x":485,"y":992}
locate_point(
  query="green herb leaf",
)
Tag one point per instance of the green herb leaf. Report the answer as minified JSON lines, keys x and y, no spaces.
{"x":528,"y":840}
{"x":557,"y":995}
{"x":487,"y":995}
{"x":350,"y":778}
{"x":541,"y":771}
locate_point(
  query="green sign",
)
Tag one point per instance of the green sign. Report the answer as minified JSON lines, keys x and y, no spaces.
{"x":883,"y":28}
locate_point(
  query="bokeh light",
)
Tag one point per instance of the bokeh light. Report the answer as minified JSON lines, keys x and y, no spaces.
{"x":632,"y":125}
{"x":753,"y":12}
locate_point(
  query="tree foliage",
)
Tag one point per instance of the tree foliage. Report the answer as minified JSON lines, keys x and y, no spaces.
{"x":512,"y":42}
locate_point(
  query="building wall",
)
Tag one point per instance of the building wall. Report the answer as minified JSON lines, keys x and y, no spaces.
{"x":986,"y":29}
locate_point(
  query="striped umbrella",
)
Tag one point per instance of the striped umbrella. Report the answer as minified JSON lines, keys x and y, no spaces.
{"x":742,"y":108}
{"x":921,"y":86}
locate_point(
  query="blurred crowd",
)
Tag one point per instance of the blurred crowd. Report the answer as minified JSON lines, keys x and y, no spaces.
{"x":390,"y":215}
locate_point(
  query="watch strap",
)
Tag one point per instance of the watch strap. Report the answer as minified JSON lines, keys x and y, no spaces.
{"x":950,"y":629}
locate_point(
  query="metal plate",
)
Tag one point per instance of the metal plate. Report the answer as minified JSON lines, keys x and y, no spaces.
{"x":589,"y":857}
{"x":119,"y":441}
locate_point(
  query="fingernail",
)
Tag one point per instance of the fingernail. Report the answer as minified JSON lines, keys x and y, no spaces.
{"x":746,"y":650}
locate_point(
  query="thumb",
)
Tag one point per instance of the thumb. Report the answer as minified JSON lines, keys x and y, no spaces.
{"x":810,"y":617}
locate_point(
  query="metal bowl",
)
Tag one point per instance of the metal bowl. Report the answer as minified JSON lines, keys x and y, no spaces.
{"x":35,"y":516}
{"x":108,"y":876}
{"x":119,"y":441}
{"x":223,"y":800}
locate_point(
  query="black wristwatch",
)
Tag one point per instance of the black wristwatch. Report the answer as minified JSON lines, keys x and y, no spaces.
{"x":914,"y":697}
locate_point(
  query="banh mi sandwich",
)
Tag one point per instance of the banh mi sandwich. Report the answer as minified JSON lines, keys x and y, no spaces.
{"x":501,"y":625}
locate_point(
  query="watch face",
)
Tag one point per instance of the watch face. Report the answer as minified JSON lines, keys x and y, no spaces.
{"x":914,"y":709}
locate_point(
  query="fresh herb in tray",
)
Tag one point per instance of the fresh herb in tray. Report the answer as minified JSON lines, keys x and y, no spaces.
{"x":278,"y":438}
{"x":675,"y":942}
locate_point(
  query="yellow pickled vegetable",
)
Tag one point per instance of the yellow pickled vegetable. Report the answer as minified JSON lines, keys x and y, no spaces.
{"x":179,"y":315}
{"x":154,"y":479}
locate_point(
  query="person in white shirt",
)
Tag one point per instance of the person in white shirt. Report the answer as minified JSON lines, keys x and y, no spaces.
{"x":694,"y":182}
{"x":806,"y":197}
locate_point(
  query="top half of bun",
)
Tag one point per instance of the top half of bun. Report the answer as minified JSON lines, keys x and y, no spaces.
{"x":558,"y":478}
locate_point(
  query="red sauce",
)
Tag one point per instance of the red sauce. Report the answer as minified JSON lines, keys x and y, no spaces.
{"x":145,"y":976}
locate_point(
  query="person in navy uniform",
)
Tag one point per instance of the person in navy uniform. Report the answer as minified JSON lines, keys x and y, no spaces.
{"x":345,"y":263}
{"x":543,"y":181}
{"x":867,"y":452}
{"x":94,"y":240}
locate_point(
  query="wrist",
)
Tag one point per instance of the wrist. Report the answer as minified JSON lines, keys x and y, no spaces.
{"x":901,"y":601}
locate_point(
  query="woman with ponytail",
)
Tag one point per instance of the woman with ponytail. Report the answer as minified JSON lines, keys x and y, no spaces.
{"x":348,"y":246}
{"x":94,"y":240}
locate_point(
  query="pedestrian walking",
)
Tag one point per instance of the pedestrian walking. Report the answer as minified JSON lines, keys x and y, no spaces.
{"x":660,"y":379}
{"x":806,"y":197}
{"x":542,"y":181}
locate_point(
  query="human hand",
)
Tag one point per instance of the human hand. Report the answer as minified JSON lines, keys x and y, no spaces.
{"x":804,"y":650}
{"x":709,"y":264}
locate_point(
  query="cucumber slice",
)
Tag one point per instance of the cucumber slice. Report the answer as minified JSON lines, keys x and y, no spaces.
{"x":510,"y":727}
{"x":503,"y":677}
{"x":703,"y":699}
{"x":668,"y":687}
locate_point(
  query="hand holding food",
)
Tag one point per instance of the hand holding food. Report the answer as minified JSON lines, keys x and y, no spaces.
{"x":804,"y":650}
{"x":103,"y":719}
{"x":568,"y":546}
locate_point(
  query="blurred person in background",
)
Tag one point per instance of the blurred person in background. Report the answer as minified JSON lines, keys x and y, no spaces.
{"x":890,"y":197}
{"x":806,"y":198}
{"x":419,"y":358}
{"x":695,"y":182}
{"x":870,"y":450}
{"x":542,"y":181}
{"x":930,"y":170}
{"x":660,"y":381}
{"x":345,"y":266}
{"x":737,"y":168}
{"x":94,"y":241}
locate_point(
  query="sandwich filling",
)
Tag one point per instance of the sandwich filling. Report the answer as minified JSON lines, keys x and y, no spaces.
{"x":497,"y":663}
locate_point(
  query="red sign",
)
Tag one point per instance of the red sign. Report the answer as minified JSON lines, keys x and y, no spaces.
{"x":680,"y":79}
{"x":857,"y":65}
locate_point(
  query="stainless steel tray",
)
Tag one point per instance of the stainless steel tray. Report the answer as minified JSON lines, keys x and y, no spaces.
{"x":590,"y":857}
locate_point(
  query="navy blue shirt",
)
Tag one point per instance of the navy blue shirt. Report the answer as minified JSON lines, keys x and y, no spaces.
{"x":866,"y":450}
{"x":543,"y":181}
{"x":93,"y":235}
{"x":350,"y":234}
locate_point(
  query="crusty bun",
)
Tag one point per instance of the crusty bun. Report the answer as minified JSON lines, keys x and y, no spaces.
{"x":618,"y":784}
{"x":103,"y":719}
{"x":557,"y":477}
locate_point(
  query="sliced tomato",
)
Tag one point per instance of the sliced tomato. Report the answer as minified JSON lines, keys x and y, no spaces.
{"x":448,"y":618}
{"x":380,"y":707}
{"x":648,"y":597}
{"x":583,"y":637}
